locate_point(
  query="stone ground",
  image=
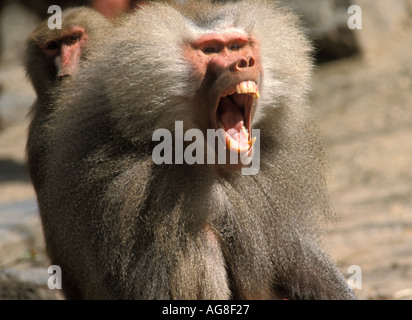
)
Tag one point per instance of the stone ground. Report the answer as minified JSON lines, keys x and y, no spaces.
{"x":363,"y":107}
{"x":364,"y":111}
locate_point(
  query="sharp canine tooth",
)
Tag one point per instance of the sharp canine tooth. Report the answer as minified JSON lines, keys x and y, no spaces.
{"x":245,"y":87}
{"x":245,"y":131}
{"x":252,"y":142}
{"x":220,"y":124}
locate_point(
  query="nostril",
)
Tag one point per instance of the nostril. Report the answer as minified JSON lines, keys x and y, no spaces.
{"x":242,"y":63}
{"x":246,"y":63}
{"x":61,"y":77}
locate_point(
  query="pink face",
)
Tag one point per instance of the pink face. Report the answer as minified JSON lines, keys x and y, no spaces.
{"x":111,"y":8}
{"x":229,"y":66}
{"x":233,"y":51}
{"x":66,"y":51}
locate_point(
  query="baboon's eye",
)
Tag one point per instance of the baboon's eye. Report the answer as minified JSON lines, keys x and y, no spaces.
{"x":72,"y":39}
{"x":235,"y":47}
{"x":210,"y":50}
{"x":52,"y":45}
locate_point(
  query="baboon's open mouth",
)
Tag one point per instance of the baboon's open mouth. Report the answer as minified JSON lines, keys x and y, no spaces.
{"x":234,"y":116}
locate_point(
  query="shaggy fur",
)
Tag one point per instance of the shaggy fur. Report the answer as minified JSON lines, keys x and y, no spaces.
{"x":122,"y":227}
{"x":42,"y":73}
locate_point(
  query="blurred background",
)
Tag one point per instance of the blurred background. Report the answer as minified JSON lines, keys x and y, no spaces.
{"x":361,"y":99}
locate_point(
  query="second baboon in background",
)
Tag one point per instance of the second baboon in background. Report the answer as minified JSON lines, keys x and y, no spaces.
{"x":122,"y":227}
{"x":51,"y":56}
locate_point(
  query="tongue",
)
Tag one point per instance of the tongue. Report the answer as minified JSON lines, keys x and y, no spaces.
{"x":232,"y":118}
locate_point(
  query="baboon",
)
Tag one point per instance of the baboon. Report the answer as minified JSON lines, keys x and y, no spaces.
{"x":113,"y":8}
{"x":122,"y":227}
{"x":49,"y":49}
{"x":51,"y":56}
{"x":109,"y":8}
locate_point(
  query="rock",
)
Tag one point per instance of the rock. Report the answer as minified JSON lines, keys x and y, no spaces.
{"x":326,"y":25}
{"x":20,"y":230}
{"x":12,"y":287}
{"x":16,"y":94}
{"x":383,"y":22}
{"x":326,"y":22}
